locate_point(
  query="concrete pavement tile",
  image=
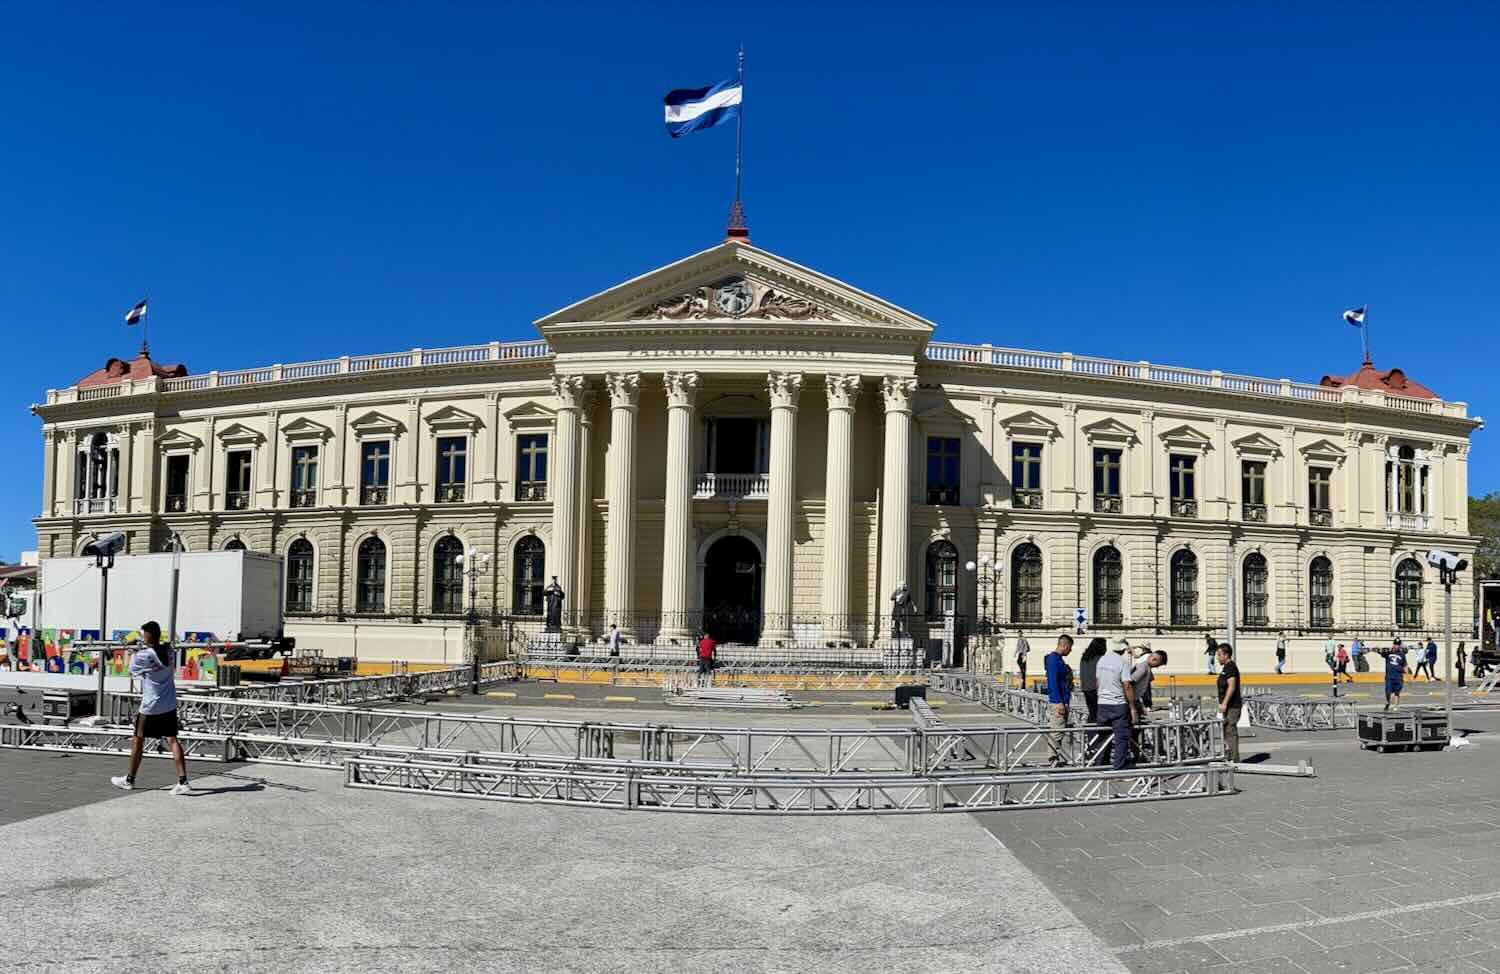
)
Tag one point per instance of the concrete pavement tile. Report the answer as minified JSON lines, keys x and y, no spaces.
{"x":1188,"y":957}
{"x":1355,"y":959}
{"x":1260,"y":946}
{"x":1352,"y":932}
{"x":1263,"y":965}
{"x":1424,"y":949}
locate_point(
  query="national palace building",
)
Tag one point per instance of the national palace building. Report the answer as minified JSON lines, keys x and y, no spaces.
{"x":739,"y":442}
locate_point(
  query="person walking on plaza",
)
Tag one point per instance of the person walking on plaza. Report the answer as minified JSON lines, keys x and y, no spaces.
{"x":1280,"y":652}
{"x":1395,"y":673}
{"x":1059,"y":696}
{"x":1357,"y":653}
{"x":1023,"y":649}
{"x":1463,"y":660}
{"x":612,"y":640}
{"x":1341,"y":664}
{"x":1429,"y":660}
{"x":706,"y":649}
{"x":154,"y":666}
{"x":1208,"y":651}
{"x":1116,"y":701}
{"x":1230,"y":701}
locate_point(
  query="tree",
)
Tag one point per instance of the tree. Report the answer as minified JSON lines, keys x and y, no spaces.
{"x":1484,"y":523}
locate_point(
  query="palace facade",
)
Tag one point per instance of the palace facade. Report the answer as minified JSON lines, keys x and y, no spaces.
{"x":741,"y":442}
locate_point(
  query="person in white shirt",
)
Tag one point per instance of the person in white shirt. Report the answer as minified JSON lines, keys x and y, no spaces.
{"x":155,"y":667}
{"x":1116,"y":700}
{"x":1023,"y":648}
{"x":612,"y":640}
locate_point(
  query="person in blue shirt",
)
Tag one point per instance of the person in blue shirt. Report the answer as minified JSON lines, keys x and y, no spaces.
{"x":1395,"y":673}
{"x":1060,"y":696}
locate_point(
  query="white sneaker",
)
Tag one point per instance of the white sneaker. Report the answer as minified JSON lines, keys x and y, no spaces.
{"x":122,"y":782}
{"x":182,"y":789}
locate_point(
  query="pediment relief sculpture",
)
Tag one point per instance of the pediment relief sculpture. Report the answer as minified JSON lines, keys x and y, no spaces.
{"x":736,"y":297}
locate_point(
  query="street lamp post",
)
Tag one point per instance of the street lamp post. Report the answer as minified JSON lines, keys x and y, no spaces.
{"x":986,"y":574}
{"x":1448,"y":567}
{"x":475,"y":563}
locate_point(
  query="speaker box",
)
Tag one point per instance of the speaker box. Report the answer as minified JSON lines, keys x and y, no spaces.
{"x":906,"y":692}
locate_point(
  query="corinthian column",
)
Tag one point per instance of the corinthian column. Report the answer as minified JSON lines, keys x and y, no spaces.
{"x":677,"y":559}
{"x":785,"y":388}
{"x":842,"y":390}
{"x":895,"y":491}
{"x":564,"y":554}
{"x":619,"y":542}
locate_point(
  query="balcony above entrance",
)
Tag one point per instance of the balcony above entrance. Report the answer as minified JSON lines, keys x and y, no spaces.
{"x":732,"y":486}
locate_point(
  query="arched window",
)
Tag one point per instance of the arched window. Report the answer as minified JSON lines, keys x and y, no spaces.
{"x":1320,"y":588}
{"x":234,"y":544}
{"x":942,"y":579}
{"x":369,"y":586}
{"x":1184,"y":588}
{"x":447,"y":575}
{"x":1409,"y":594}
{"x":1026,"y":584}
{"x":530,"y":562}
{"x":1257,"y":601}
{"x":299,"y":576}
{"x":1109,"y":591}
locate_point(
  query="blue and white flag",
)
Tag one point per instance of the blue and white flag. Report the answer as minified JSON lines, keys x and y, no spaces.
{"x":1355,"y":316}
{"x":691,"y":109}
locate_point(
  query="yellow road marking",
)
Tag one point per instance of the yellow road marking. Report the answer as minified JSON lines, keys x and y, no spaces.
{"x":558,"y":696}
{"x":620,"y":699}
{"x":937,"y":703}
{"x":501,"y":694}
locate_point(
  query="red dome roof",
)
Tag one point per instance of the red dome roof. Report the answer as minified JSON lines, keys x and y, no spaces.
{"x":1393,"y":381}
{"x":116,"y":371}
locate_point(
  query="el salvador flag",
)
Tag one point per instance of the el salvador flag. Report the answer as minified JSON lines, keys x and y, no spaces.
{"x":691,"y":109}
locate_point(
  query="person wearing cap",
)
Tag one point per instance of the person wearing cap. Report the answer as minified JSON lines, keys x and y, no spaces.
{"x":154,"y":666}
{"x":1116,"y":700}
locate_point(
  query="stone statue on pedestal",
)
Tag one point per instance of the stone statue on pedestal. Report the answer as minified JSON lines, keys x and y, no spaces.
{"x":901,"y":606}
{"x":553,"y":595}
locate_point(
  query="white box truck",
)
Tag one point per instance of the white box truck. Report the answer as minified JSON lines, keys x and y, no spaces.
{"x":222,"y":596}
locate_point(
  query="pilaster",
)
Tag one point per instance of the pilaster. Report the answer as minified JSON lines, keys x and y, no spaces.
{"x":785,"y":389}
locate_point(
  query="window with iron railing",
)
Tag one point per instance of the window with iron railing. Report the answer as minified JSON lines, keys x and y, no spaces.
{"x":1026,"y":475}
{"x":1253,"y":490}
{"x":375,"y":472}
{"x":1109,"y":589}
{"x":369,"y":590}
{"x":1257,"y":600}
{"x":299,"y":576}
{"x":531,"y":467}
{"x":1107,"y":465}
{"x":1409,"y":594}
{"x":1183,"y":470}
{"x":177,"y":483}
{"x":1184,"y":589}
{"x":1026,"y":585}
{"x":1320,"y":495}
{"x":1320,"y":589}
{"x":304,"y":476}
{"x":942,"y":469}
{"x":452,"y":469}
{"x":237,"y":480}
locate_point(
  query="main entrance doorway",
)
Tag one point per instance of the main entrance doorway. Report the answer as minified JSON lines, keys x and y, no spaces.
{"x":732,"y":590}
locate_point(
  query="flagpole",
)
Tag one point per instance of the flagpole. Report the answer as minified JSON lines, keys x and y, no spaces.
{"x":1364,"y":330}
{"x":739,"y":126}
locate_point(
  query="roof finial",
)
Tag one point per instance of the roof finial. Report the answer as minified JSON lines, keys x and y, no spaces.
{"x":737,"y":229}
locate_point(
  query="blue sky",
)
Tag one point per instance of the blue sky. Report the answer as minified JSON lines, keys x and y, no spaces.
{"x":1198,"y":184}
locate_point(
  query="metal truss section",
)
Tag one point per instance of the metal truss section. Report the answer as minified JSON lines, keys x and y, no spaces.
{"x":1295,"y":713}
{"x":98,"y":740}
{"x":773,"y":796}
{"x":779,"y":675}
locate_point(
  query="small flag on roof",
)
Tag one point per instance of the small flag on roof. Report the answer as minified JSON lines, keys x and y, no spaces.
{"x":691,"y":109}
{"x":1356,"y":317}
{"x":136,"y":314}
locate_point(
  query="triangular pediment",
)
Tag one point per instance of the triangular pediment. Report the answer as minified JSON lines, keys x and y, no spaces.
{"x":452,"y":418}
{"x":303,"y":428}
{"x":1323,"y":449}
{"x":530,"y":415}
{"x":239,"y":433}
{"x":1029,"y":423}
{"x":735,"y":283}
{"x":375,"y":422}
{"x":1109,"y":429}
{"x":1188,"y":437}
{"x":1257,"y":443}
{"x":944,"y":414}
{"x":179,"y":439}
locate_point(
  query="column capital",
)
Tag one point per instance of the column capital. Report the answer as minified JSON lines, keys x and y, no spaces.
{"x":682,"y":389}
{"x":785,"y":388}
{"x":843,"y":390}
{"x":569,"y":390}
{"x":624,"y":389}
{"x":898,"y":390}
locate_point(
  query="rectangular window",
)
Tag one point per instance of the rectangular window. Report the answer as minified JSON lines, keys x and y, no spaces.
{"x":1026,"y":474}
{"x":237,"y":481}
{"x":452,"y":468}
{"x":1253,"y":482}
{"x":1184,"y":471}
{"x":304,"y":476}
{"x":942,"y":469}
{"x":531,"y":467}
{"x":1319,"y":489}
{"x":375,"y":473}
{"x":1107,"y":480}
{"x":177,"y":483}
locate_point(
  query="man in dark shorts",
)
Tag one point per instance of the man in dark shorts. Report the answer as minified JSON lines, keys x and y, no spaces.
{"x":1395,"y":673}
{"x":154,"y":666}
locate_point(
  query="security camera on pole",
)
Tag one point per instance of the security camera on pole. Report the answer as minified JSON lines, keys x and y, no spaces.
{"x":1448,"y":566}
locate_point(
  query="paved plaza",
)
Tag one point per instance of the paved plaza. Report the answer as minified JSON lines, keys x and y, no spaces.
{"x":1381,"y":863}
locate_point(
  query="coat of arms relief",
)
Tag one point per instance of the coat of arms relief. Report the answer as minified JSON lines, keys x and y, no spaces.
{"x":735,"y":298}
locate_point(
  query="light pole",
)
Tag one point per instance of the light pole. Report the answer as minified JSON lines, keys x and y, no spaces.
{"x":475,"y":563}
{"x":1448,"y":567}
{"x":986,"y":574}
